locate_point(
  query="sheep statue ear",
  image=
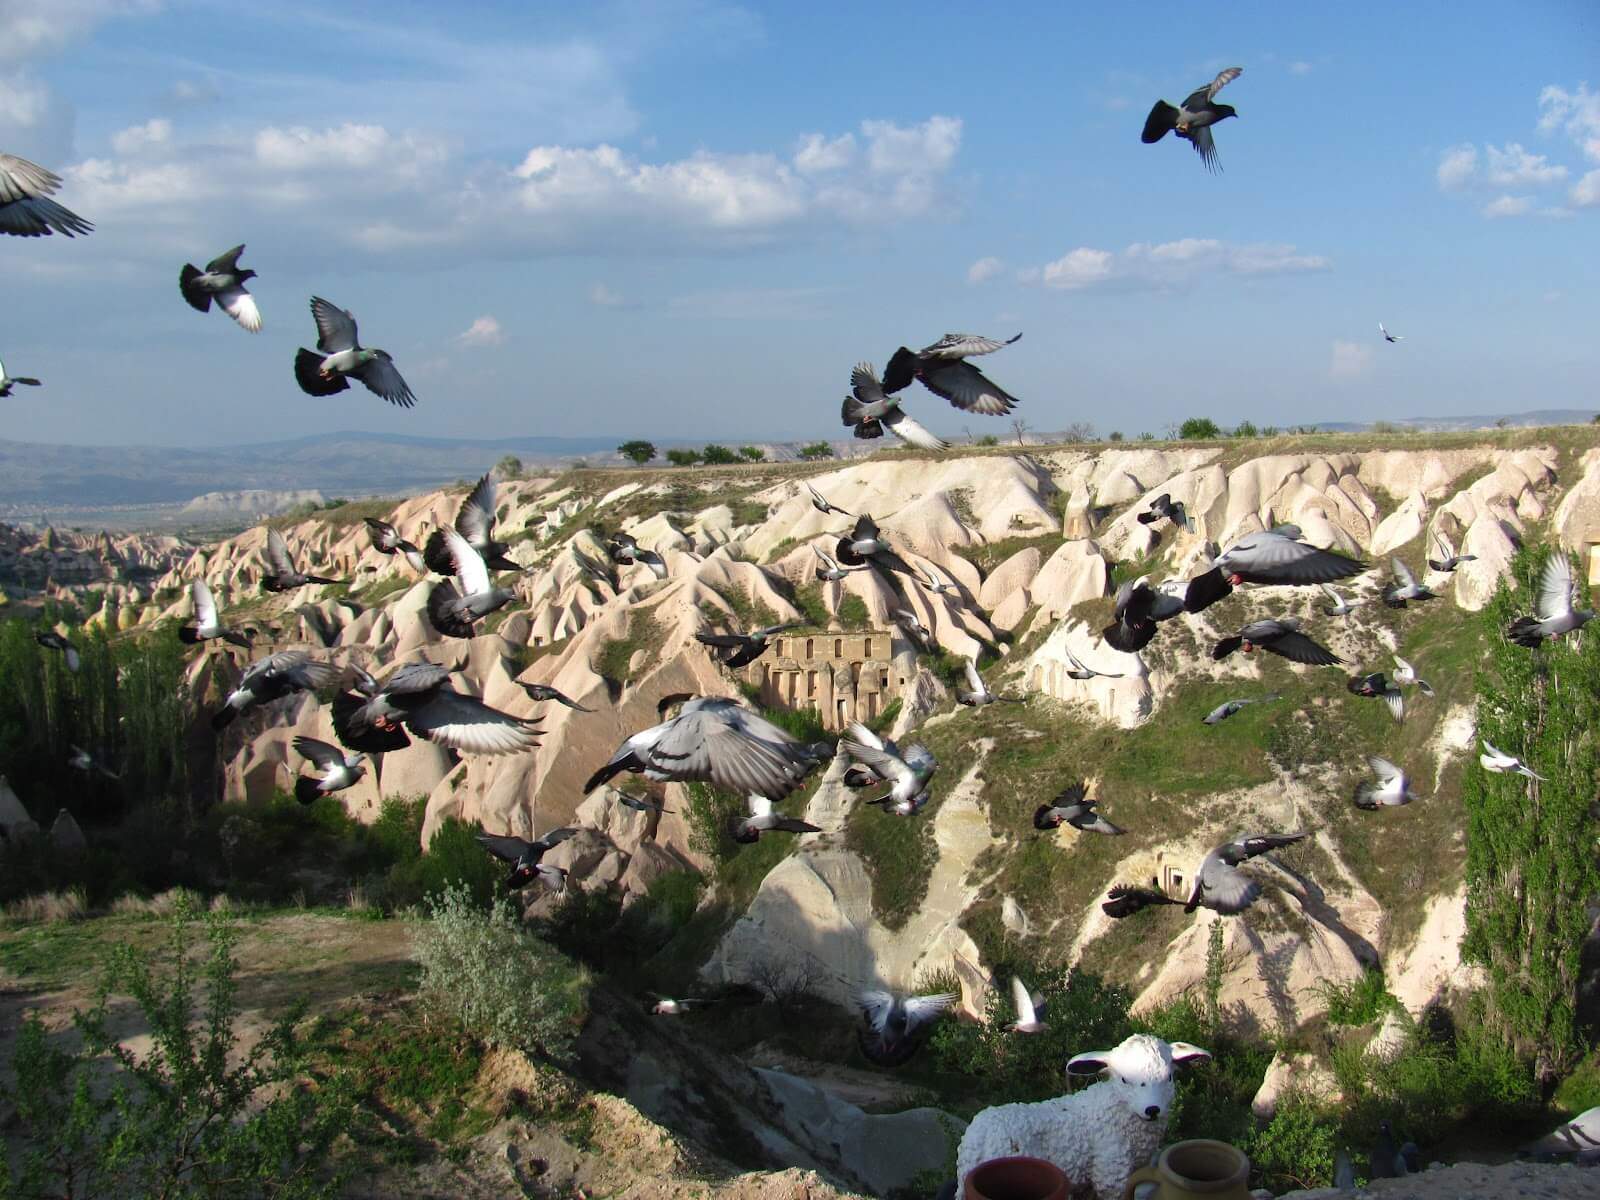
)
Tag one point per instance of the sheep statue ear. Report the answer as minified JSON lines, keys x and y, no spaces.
{"x":1183,"y":1052}
{"x":1091,"y":1062}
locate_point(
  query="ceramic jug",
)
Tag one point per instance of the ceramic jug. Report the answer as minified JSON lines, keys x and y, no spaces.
{"x":1015,"y":1179}
{"x":1185,"y":1170}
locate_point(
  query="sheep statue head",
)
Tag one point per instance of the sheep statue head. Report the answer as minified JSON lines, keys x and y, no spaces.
{"x":1140,"y":1071}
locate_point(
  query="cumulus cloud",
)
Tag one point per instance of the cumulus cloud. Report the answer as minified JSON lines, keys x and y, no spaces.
{"x":1508,"y":206}
{"x":817,"y":153}
{"x":141,"y":139}
{"x":1574,"y":113}
{"x":485,"y":331}
{"x":1512,"y":166}
{"x":31,"y":29}
{"x":1586,"y":192}
{"x":984,"y":270}
{"x":1457,"y":166}
{"x":1166,"y":264}
{"x":1350,"y":359}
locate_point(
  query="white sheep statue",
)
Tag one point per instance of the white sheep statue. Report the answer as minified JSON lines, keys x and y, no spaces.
{"x":1100,"y":1135}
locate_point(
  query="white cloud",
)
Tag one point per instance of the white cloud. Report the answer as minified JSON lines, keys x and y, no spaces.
{"x":348,"y":147}
{"x":1576,"y":113}
{"x":1508,"y":206}
{"x":604,"y":297}
{"x":485,"y":331}
{"x":984,"y":270}
{"x":897,"y":149}
{"x":1512,"y":166}
{"x":1300,"y":67}
{"x":1166,"y":264}
{"x":1457,"y":167}
{"x":1586,"y":192}
{"x":816,"y":153}
{"x":140,"y":139}
{"x":33,"y":28}
{"x":1350,"y":359}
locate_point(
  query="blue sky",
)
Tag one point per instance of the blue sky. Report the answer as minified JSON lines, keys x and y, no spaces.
{"x":691,"y":219}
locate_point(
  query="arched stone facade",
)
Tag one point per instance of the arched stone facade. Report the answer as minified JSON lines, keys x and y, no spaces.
{"x":845,"y":677}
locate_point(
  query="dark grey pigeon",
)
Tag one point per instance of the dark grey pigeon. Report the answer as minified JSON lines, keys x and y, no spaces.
{"x":944,"y":370}
{"x":895,"y":1025}
{"x":475,"y":522}
{"x":207,"y":623}
{"x":1193,"y":120}
{"x":742,"y":649}
{"x":1072,"y":806}
{"x":1448,"y":559}
{"x":26,"y":209}
{"x":1136,"y":612}
{"x":544,"y":692}
{"x":339,"y":353}
{"x":7,"y":382}
{"x":223,"y":281}
{"x":1276,"y":556}
{"x":820,"y":503}
{"x":1164,"y":507}
{"x":830,"y":571}
{"x":1222,"y":712}
{"x":1377,"y":686}
{"x":1218,"y":883}
{"x":416,"y":697}
{"x":869,"y":410}
{"x":387,"y":540}
{"x":1281,"y":637}
{"x":1554,"y":611}
{"x":336,"y":770}
{"x":524,"y":858}
{"x":1405,"y":587}
{"x":866,"y":544}
{"x":624,"y":548}
{"x":281,"y":574}
{"x":761,"y":819}
{"x":273,"y":677}
{"x":455,"y":607}
{"x":51,"y":640}
{"x":643,"y":804}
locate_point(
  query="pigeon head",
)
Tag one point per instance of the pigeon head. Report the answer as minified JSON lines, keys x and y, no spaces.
{"x":245,"y":274}
{"x":1223,"y":111}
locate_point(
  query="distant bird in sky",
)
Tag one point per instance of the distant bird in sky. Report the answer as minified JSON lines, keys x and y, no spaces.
{"x":1072,"y":806}
{"x":207,"y":624}
{"x":1554,"y":612}
{"x":741,"y":649}
{"x":1222,"y":712}
{"x":81,"y":760}
{"x":1406,"y":675}
{"x":475,"y":522}
{"x":524,"y":857}
{"x":1218,"y":883}
{"x":624,"y":548}
{"x":1499,"y":762}
{"x":908,"y":772}
{"x":1448,"y":559}
{"x":1405,"y":587}
{"x":1076,"y":669}
{"x":895,"y":1025}
{"x":1029,"y":1007}
{"x":223,"y":281}
{"x":342,"y":355}
{"x":271,"y":678}
{"x":7,"y":382}
{"x":455,"y":607}
{"x":336,"y":770}
{"x":417,"y":697}
{"x":1390,"y":787}
{"x":865,"y":544}
{"x":26,"y":209}
{"x":51,"y":640}
{"x":1387,"y":336}
{"x":869,"y":410}
{"x":1281,"y":637}
{"x":761,"y":819}
{"x":944,"y":370}
{"x":718,"y":741}
{"x":980,"y":693}
{"x":387,"y":540}
{"x":1338,"y":606}
{"x":544,"y":692}
{"x":821,"y":504}
{"x":1376,"y":686}
{"x":1276,"y":556}
{"x":1194,"y":118}
{"x":1164,"y":507}
{"x":1135,"y":613}
{"x":281,"y":574}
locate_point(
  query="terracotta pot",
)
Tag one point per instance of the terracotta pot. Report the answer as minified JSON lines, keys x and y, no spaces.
{"x":1214,"y":1170}
{"x":1015,"y":1179}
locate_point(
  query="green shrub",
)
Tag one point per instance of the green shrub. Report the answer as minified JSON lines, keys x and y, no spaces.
{"x":1360,"y":1001}
{"x":683,"y":458}
{"x":813,"y":451}
{"x":1296,"y":1149}
{"x":455,"y":860}
{"x":752,"y":453}
{"x":714,"y":455}
{"x":1199,"y":429}
{"x":503,"y":984}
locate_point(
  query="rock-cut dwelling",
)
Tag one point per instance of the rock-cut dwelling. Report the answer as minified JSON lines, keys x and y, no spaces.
{"x":845,"y":677}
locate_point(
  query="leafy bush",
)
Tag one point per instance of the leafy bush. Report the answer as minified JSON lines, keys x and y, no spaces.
{"x":639,"y":452}
{"x":1296,"y":1149}
{"x":813,"y":451}
{"x":1245,"y":429}
{"x":987,"y":439}
{"x":195,"y":1117}
{"x":502,"y":983}
{"x":683,"y":458}
{"x":752,"y":453}
{"x":717,"y":456}
{"x":1114,"y":436}
{"x":710,"y":811}
{"x":1359,"y":1001}
{"x":1199,"y":429}
{"x":455,"y":860}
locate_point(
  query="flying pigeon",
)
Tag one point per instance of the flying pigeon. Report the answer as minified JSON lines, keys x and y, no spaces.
{"x":323,"y":374}
{"x":453,"y":607}
{"x":273,"y":677}
{"x":980,"y":693}
{"x":281,"y":574}
{"x":387,"y":540}
{"x":1499,"y":761}
{"x":1218,"y":883}
{"x":908,"y":621}
{"x":7,"y":382}
{"x":524,"y":858}
{"x":82,"y":760}
{"x":664,"y":1006}
{"x":623,"y":548}
{"x":863,"y":775}
{"x":820,"y":503}
{"x":475,"y":522}
{"x":945,"y":371}
{"x":1389,"y":337}
{"x":1392,"y":787}
{"x":1340,"y":607}
{"x":1193,"y":121}
{"x":830,"y":571}
{"x":1406,"y":674}
{"x":544,"y":692}
{"x":1553,"y":611}
{"x":762,"y":819}
{"x":1222,"y":712}
{"x":336,"y":770}
{"x":207,"y":624}
{"x":1377,"y":686}
{"x":1281,"y":637}
{"x":870,"y":410}
{"x":741,"y":649}
{"x":416,"y":696}
{"x":52,"y":640}
{"x":1077,"y":670}
{"x":1164,"y":507}
{"x":1072,"y":806}
{"x":866,"y":544}
{"x":644,"y":804}
{"x":25,"y":207}
{"x":908,"y":773}
{"x":222,"y":281}
{"x":939,"y":587}
{"x":1405,"y":587}
{"x":718,"y":741}
{"x":1030,"y":1009}
{"x":1136,"y":612}
{"x":1448,"y":559}
{"x":1577,"y":1136}
{"x":1276,"y":556}
{"x":894,"y":1025}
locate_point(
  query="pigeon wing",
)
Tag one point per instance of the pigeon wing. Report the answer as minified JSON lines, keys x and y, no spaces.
{"x":383,"y":378}
{"x":1402,"y":574}
{"x":1205,"y":146}
{"x":470,"y":568}
{"x":21,"y":179}
{"x":1022,"y":1002}
{"x":205,"y":605}
{"x":278,"y":553}
{"x":467,"y":724}
{"x":966,"y":387}
{"x":37,"y":217}
{"x":964,"y":345}
{"x":1555,"y":587}
{"x":508,"y":848}
{"x":912,"y":432}
{"x":1223,"y":79}
{"x":476,"y":518}
{"x":1385,"y":770}
{"x":922,"y":1009}
{"x":725,"y":744}
{"x":336,"y":328}
{"x":1297,"y":647}
{"x":415,"y":678}
{"x":241,"y":306}
{"x":318,"y":752}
